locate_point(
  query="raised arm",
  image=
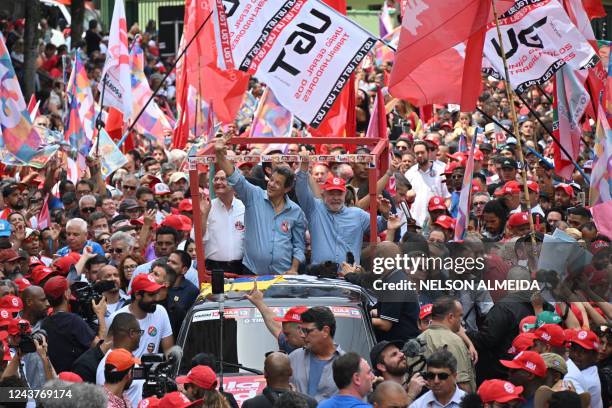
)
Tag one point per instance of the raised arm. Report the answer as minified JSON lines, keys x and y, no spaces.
{"x":221,"y":153}
{"x":302,"y":189}
{"x":255,"y":296}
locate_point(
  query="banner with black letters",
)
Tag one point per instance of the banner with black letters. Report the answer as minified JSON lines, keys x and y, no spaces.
{"x":538,"y":39}
{"x":303,"y":49}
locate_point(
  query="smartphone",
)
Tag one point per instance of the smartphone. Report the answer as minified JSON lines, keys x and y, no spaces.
{"x":350,"y":258}
{"x":151,"y":205}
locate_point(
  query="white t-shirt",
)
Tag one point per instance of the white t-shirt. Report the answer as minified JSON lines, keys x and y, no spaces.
{"x":426,"y":185}
{"x":156,"y":327}
{"x":586,"y":380}
{"x":134,"y":393}
{"x":225,"y":231}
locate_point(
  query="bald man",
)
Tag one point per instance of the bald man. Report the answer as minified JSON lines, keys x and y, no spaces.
{"x":389,"y":394}
{"x":277,"y":371}
{"x":35,"y":304}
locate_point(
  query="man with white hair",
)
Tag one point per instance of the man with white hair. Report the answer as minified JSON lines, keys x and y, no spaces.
{"x":87,"y":206}
{"x":76,"y":238}
{"x":122,"y":244}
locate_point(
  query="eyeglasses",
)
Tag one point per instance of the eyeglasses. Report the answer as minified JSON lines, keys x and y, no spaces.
{"x":401,"y":147}
{"x":103,"y":241}
{"x":116,"y":250}
{"x":307,"y":331}
{"x":126,"y":187}
{"x":88,"y":209}
{"x":129,"y":267}
{"x":429,"y":376}
{"x":478,"y":203}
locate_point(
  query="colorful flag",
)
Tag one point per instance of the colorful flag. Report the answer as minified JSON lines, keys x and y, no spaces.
{"x":111,"y":157}
{"x":377,"y":128}
{"x":463,"y":214}
{"x":271,"y":118}
{"x":539,"y":39}
{"x":247,"y":110}
{"x":19,"y":137}
{"x":116,"y":73}
{"x":44,"y":218}
{"x":601,"y":175}
{"x":430,"y":30}
{"x":75,"y":132}
{"x":153,"y":123}
{"x":382,"y":50}
{"x":80,"y":86}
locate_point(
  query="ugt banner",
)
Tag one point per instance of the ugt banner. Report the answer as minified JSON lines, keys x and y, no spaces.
{"x":302,"y":49}
{"x":538,"y":39}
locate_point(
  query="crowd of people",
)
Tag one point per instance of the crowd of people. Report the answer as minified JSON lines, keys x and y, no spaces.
{"x":130,"y":237}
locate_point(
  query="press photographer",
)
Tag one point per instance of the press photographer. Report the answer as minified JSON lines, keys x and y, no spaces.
{"x":68,"y":334}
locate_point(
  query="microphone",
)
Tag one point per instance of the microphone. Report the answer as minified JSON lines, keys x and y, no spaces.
{"x":174,"y":356}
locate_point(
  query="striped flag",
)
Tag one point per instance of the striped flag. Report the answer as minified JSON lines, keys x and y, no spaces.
{"x":601,"y":175}
{"x":463,"y":215}
{"x":153,"y":123}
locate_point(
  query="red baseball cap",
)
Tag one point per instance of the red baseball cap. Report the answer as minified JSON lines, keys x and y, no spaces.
{"x":22,"y":283}
{"x":499,"y":391}
{"x":121,"y":359}
{"x":177,"y":222}
{"x":551,"y":334}
{"x":529,"y":361}
{"x":11,"y":303}
{"x":565,"y":187}
{"x":40,"y":272}
{"x":6,"y":317}
{"x":63,"y":264}
{"x":431,"y":139}
{"x":200,"y":375}
{"x":185,"y":205}
{"x":436,"y":203}
{"x":177,"y":400}
{"x":518,"y":219}
{"x":445,"y":222}
{"x":478,"y":155}
{"x":476,"y":188}
{"x":425,"y":311}
{"x":293,"y":315}
{"x":585,"y":339}
{"x":533,"y":186}
{"x":55,"y":287}
{"x":598,"y":246}
{"x":14,"y":326}
{"x":511,"y":187}
{"x":69,"y":376}
{"x":521,"y":343}
{"x":151,"y":402}
{"x":528,"y":324}
{"x":8,"y":255}
{"x":334,"y":183}
{"x":450,"y":167}
{"x":145,"y":283}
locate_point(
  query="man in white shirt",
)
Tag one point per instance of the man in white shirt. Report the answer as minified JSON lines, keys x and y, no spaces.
{"x":425,"y":181}
{"x":126,"y":335}
{"x":582,"y":365}
{"x":441,"y":377}
{"x":223,"y":227}
{"x":152,"y":318}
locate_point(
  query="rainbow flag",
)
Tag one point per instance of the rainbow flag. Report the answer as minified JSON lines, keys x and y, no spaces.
{"x":153,"y":123}
{"x":601,"y":175}
{"x":271,"y":120}
{"x":463,"y":215}
{"x":79,"y":86}
{"x":383,"y":53}
{"x":19,"y":137}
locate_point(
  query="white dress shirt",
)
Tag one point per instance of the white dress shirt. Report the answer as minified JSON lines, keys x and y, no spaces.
{"x":425,"y":184}
{"x":225,"y":230}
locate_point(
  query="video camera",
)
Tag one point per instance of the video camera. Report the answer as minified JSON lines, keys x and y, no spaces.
{"x":85,"y":292}
{"x":157,"y":371}
{"x":414,"y":351}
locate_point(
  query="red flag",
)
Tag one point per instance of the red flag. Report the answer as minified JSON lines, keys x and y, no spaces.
{"x":31,"y":104}
{"x":594,"y":8}
{"x":430,"y":29}
{"x":114,"y":124}
{"x":377,"y":128}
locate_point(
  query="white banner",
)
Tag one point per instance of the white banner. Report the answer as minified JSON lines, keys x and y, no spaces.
{"x":118,"y":92}
{"x":303,"y":49}
{"x":538,"y":39}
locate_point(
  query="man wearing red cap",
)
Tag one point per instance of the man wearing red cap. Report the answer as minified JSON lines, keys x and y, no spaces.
{"x":527,"y":370}
{"x":223,"y":227}
{"x":152,"y":318}
{"x":518,"y":224}
{"x":335,"y":229}
{"x":534,"y":195}
{"x":118,"y":376}
{"x":564,"y":195}
{"x":68,"y":334}
{"x":495,"y":393}
{"x":549,"y":338}
{"x":285,"y":329}
{"x":582,"y":365}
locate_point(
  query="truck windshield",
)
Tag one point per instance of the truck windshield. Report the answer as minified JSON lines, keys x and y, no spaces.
{"x":246,"y":339}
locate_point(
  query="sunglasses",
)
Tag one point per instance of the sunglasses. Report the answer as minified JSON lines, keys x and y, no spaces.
{"x":307,"y":331}
{"x":125,"y":187}
{"x":88,"y":209}
{"x":429,"y":376}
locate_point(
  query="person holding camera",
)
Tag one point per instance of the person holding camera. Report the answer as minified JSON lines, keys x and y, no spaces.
{"x":118,"y":376}
{"x":69,"y":335}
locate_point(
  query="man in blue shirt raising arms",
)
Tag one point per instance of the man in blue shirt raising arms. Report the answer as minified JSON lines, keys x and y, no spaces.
{"x":275,"y":225}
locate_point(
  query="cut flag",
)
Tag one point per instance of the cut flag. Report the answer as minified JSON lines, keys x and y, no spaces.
{"x":463,"y":214}
{"x":271,"y":120}
{"x":601,"y":176}
{"x":80,"y":87}
{"x":19,"y":138}
{"x":430,"y":30}
{"x":116,"y":85}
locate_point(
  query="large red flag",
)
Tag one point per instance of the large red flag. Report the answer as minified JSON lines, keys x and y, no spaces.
{"x":594,"y":8}
{"x":430,"y":28}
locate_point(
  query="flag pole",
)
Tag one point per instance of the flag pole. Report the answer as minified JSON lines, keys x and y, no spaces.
{"x":510,"y":96}
{"x":168,"y":72}
{"x":99,"y":122}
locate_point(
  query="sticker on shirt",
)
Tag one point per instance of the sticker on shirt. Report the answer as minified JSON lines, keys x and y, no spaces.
{"x":285,"y":226}
{"x":152,"y":331}
{"x":150,"y":347}
{"x":239,"y":226}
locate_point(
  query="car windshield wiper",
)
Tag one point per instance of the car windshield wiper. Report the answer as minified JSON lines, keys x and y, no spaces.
{"x":240,"y":366}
